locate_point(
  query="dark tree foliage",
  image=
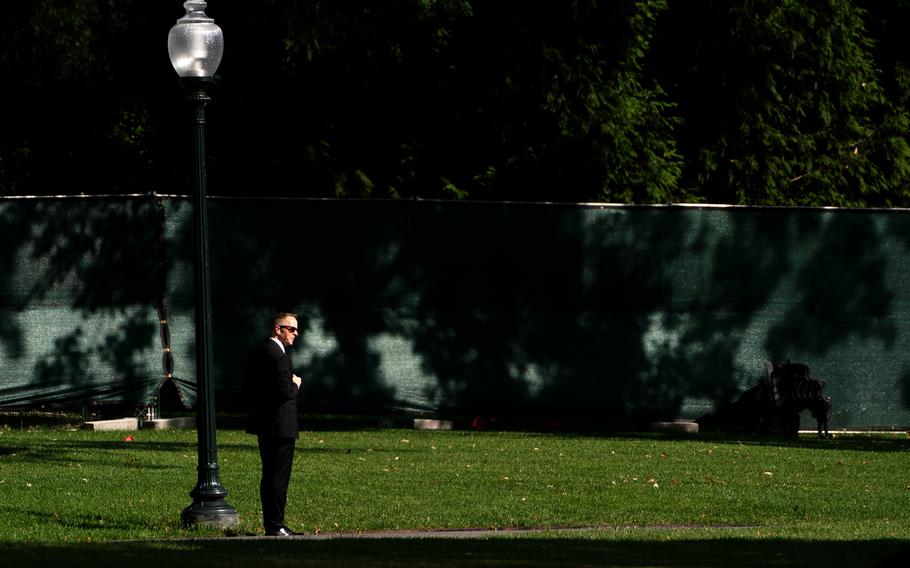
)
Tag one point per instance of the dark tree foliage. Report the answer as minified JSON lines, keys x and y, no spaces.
{"x":783,"y":104}
{"x":82,"y":108}
{"x":744,"y":101}
{"x":491,"y":100}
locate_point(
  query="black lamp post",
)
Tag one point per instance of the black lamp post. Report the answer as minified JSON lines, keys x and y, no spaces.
{"x":195,"y":45}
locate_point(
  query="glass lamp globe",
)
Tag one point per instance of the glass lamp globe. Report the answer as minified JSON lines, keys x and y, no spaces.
{"x":195,"y":43}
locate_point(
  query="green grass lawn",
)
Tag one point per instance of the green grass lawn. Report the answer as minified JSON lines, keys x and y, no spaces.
{"x":657,"y":500}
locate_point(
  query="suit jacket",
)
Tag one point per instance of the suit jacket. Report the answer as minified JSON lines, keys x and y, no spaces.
{"x":271,"y":392}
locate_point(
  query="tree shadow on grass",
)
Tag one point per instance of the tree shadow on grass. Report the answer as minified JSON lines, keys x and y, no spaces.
{"x":862,"y":443}
{"x":527,"y":552}
{"x":84,"y":522}
{"x":107,"y":452}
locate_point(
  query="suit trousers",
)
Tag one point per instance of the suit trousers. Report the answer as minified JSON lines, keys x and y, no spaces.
{"x":277,"y":456}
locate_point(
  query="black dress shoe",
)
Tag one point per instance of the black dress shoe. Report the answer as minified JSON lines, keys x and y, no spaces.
{"x":283,"y":531}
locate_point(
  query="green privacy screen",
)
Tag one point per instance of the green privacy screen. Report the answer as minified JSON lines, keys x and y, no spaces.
{"x":616,"y":315}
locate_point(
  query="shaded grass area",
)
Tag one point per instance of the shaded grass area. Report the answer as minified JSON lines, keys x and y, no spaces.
{"x":37,"y":419}
{"x":78,"y":495}
{"x":528,"y":552}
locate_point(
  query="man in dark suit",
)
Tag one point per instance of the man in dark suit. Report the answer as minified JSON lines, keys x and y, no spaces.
{"x":271,"y":388}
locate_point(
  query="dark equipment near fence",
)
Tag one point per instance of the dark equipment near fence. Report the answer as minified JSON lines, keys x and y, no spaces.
{"x":773,"y":406}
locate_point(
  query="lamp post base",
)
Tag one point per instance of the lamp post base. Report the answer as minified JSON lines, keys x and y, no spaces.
{"x":217,"y":513}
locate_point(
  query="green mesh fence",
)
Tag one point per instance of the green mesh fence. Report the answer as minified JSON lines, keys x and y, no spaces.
{"x":617,"y":315}
{"x":81,"y":284}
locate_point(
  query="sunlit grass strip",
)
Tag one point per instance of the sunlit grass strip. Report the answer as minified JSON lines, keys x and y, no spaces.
{"x":65,"y":486}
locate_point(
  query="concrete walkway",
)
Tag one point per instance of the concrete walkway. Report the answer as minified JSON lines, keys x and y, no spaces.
{"x":467,"y":533}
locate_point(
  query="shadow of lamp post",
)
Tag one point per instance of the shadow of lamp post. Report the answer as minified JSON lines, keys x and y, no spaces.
{"x":195,"y":45}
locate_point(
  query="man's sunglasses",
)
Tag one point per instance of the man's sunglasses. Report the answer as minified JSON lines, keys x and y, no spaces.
{"x":289,"y":327}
